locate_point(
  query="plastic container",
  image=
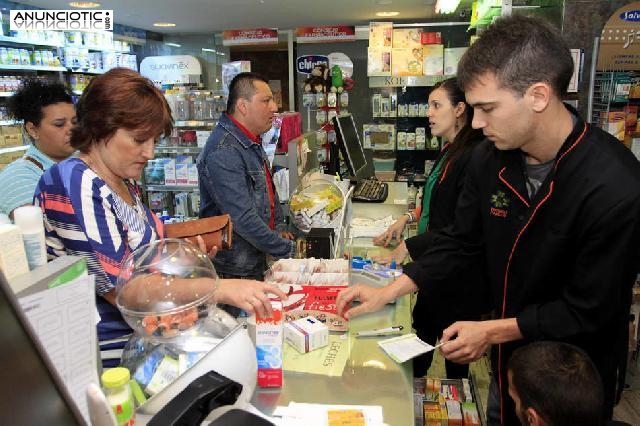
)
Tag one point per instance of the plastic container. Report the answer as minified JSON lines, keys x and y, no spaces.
{"x":165,"y":292}
{"x":384,"y":164}
{"x":115,"y":382}
{"x":29,"y":219}
{"x":166,"y":288}
{"x":317,"y":204}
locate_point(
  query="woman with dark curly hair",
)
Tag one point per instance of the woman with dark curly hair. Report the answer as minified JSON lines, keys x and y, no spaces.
{"x":47,"y":112}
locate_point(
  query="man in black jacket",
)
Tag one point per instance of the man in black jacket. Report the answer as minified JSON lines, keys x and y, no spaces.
{"x":550,"y":203}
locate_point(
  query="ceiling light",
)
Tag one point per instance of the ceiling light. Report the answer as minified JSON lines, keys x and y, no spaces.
{"x":204,"y":49}
{"x":173,"y":44}
{"x":164,"y":24}
{"x":387,"y":14}
{"x":383,"y":1}
{"x":84,"y":4}
{"x":446,"y":6}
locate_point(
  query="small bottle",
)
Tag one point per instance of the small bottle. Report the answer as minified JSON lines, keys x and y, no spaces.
{"x":115,"y":382}
{"x":411,"y":197}
{"x":29,"y":219}
{"x":419,"y":197}
{"x":165,"y":216}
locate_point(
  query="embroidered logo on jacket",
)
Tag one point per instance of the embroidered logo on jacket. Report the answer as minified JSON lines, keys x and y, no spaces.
{"x":499,"y":203}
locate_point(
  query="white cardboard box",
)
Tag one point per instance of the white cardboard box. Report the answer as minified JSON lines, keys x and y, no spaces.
{"x":306,"y":334}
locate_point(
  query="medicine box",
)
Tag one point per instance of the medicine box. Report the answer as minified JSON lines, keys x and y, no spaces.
{"x":306,"y":334}
{"x":170,"y":171}
{"x":269,"y":348}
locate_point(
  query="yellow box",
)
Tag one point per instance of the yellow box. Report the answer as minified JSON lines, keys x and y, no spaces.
{"x":12,"y":129}
{"x":12,"y":140}
{"x":407,"y":38}
{"x":406,"y":62}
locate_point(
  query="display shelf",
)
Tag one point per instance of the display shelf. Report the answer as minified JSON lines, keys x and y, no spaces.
{"x":409,"y":81}
{"x":31,"y":68}
{"x":13,"y":149}
{"x":9,"y":122}
{"x":172,"y":188}
{"x":195,"y":123}
{"x":177,"y":150}
{"x":84,"y":71}
{"x":14,"y":40}
{"x":101,"y":48}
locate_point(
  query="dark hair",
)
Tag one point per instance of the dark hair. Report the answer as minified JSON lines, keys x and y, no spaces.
{"x":467,"y":136}
{"x":559,"y":381}
{"x":35,"y":94}
{"x":241,"y":87}
{"x":120,"y":99}
{"x":520,"y":50}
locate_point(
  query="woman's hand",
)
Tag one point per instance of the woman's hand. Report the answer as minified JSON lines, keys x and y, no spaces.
{"x":394,"y":232}
{"x":398,"y":254}
{"x":203,"y":247}
{"x":249,"y":295}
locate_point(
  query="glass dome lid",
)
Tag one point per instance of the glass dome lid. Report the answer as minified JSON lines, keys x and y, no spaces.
{"x":165,"y":287}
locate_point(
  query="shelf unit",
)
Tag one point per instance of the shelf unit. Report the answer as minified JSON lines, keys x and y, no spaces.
{"x":187,"y":139}
{"x":17,"y":71}
{"x":9,"y":153}
{"x":412,"y":91}
{"x":615,"y":103}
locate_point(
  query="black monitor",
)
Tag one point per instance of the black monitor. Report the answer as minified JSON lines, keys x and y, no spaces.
{"x":348,"y":140}
{"x":32,"y":392}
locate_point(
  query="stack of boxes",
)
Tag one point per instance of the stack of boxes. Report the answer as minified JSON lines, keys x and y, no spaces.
{"x":401,"y":52}
{"x":441,"y":402}
{"x":10,"y":136}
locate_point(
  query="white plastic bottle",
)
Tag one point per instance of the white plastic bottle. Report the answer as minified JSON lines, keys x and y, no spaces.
{"x":29,"y":219}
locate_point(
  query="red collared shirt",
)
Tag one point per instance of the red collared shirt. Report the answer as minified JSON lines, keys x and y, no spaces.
{"x":267,"y":172}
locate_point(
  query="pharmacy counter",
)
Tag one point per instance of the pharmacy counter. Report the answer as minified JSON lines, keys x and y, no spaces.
{"x":370,"y":377}
{"x":395,"y":204}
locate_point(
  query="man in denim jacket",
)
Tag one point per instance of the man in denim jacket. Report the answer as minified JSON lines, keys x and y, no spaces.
{"x":234,"y":178}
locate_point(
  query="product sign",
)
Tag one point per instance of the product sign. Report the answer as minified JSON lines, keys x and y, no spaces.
{"x":170,"y":69}
{"x":620,"y":40}
{"x":250,"y":36}
{"x":325,"y":34}
{"x":304,"y":64}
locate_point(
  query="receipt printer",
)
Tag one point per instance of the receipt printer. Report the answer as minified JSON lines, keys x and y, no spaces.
{"x":318,"y":243}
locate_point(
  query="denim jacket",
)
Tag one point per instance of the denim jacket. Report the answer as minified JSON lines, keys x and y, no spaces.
{"x":232,"y":180}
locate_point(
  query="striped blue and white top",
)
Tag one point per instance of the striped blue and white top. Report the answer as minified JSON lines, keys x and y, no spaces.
{"x":84,"y":217}
{"x":19,"y":180}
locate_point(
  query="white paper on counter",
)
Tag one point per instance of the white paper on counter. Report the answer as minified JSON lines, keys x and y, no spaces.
{"x":405,"y":347}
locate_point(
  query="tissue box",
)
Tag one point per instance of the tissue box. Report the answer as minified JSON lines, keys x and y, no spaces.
{"x":306,"y":334}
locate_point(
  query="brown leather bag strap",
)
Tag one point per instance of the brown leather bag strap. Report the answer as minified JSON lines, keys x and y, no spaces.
{"x":34,"y":161}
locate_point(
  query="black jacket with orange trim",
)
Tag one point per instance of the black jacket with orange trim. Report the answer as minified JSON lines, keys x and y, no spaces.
{"x":436,"y":310}
{"x":562,"y":264}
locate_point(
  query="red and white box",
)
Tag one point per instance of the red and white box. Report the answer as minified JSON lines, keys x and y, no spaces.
{"x":269,"y":335}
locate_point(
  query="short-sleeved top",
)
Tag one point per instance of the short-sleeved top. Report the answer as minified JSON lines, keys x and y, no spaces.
{"x":19,"y":180}
{"x":85,"y":217}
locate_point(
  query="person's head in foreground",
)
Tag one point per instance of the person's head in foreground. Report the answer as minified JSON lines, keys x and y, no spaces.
{"x":555,"y":384}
